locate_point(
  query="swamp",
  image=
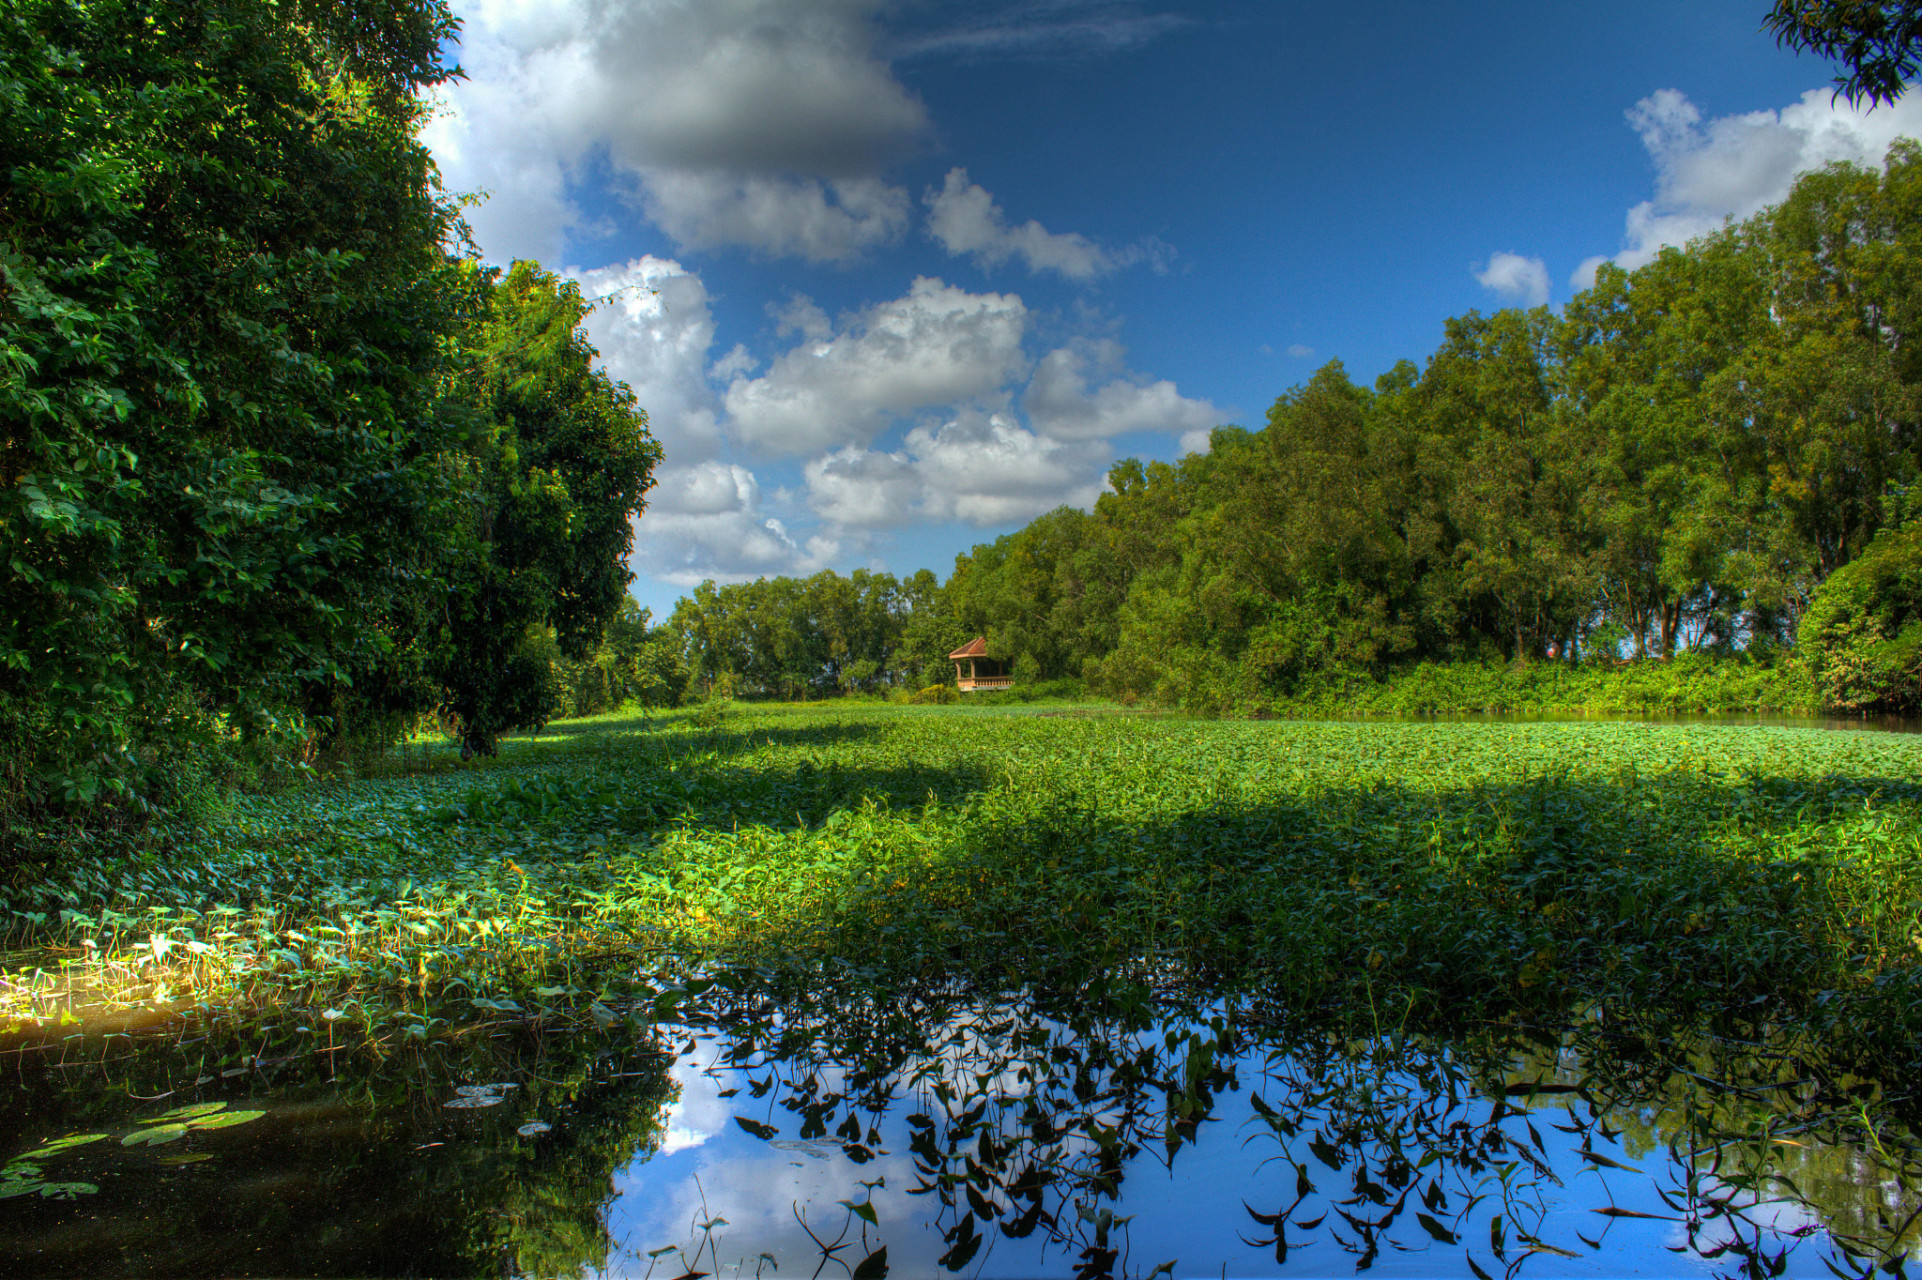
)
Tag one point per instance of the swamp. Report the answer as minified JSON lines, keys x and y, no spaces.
{"x":1002,"y":991}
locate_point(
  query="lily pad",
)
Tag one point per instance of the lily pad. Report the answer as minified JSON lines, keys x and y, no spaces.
{"x":474,"y":1100}
{"x":181,"y":1121}
{"x":226,"y":1120}
{"x":534,"y":1129}
{"x":193,"y":1112}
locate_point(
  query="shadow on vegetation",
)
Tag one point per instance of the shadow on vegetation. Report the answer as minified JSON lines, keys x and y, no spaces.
{"x":1666,"y":897}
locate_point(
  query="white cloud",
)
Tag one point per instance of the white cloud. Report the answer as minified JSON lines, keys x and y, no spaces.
{"x":1060,"y":405}
{"x":1734,"y":166}
{"x":760,"y":123}
{"x":987,"y":469}
{"x":524,"y":212}
{"x":1197,"y":441}
{"x":981,"y":468}
{"x":653,"y":327}
{"x":1515,"y":278}
{"x":1583,"y":277}
{"x":1300,"y":351}
{"x":936,"y":346}
{"x":833,"y":221}
{"x":964,"y":218}
{"x":863,"y":488}
{"x":705,"y":522}
{"x":705,"y":489}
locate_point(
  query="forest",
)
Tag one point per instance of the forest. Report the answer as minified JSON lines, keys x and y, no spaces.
{"x":1712,"y":455}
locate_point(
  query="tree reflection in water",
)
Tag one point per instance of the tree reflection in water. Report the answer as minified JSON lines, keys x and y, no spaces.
{"x":1117,"y":1132}
{"x":1024,"y":1120}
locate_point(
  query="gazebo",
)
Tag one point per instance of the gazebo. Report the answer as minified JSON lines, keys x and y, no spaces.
{"x":983,"y":672}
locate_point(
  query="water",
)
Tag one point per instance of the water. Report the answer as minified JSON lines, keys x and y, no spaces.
{"x":804,"y":1132}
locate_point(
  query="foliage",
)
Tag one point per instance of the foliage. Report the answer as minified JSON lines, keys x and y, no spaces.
{"x":280,"y":475}
{"x":1453,"y":870}
{"x":1674,"y":465}
{"x":1689,"y":683}
{"x":222,"y":294}
{"x":636,"y":664}
{"x":1862,"y":636}
{"x":794,"y":638}
{"x":862,"y":905}
{"x":1878,"y":42}
{"x":562,"y":474}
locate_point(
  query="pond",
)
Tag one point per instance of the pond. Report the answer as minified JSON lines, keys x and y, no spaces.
{"x":840,"y":1129}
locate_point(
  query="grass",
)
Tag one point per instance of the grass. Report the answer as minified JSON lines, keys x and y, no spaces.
{"x":1385,"y":874}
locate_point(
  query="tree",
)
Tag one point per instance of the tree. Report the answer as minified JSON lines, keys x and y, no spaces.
{"x":1879,"y":44}
{"x":223,"y":304}
{"x":563,"y":463}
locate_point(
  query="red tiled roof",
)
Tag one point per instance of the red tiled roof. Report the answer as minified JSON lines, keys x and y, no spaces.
{"x":975,"y":648}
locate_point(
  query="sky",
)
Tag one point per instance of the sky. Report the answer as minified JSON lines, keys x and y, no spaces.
{"x":893,"y":277}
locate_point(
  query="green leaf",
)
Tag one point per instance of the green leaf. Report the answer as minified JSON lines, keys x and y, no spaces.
{"x":227,"y":1120}
{"x":193,"y":1112}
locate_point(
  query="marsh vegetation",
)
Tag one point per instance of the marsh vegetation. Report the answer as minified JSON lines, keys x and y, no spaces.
{"x":1015,"y":958}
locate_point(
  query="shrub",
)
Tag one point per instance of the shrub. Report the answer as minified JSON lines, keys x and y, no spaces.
{"x":1862,"y":636}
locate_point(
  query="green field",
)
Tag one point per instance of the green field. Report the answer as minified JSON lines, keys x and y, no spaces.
{"x":1400,"y":874}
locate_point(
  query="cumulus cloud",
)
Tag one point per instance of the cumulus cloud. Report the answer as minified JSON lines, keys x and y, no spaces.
{"x":1515,"y":278}
{"x":706,"y":521}
{"x":654,"y":327}
{"x":834,"y":221}
{"x":936,"y":346}
{"x":964,"y":218}
{"x":759,"y":123}
{"x":1733,"y":166}
{"x":864,"y":487}
{"x":1300,"y":350}
{"x":1197,"y":441}
{"x":981,"y":468}
{"x":1060,"y":404}
{"x":988,"y":469}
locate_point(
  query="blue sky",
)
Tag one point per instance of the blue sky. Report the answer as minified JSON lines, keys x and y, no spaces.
{"x":891,"y":278}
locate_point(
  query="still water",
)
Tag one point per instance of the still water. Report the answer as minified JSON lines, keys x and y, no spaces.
{"x":837,"y":1132}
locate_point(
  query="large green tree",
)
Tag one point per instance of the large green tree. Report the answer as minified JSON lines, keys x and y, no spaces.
{"x":224,"y":301}
{"x":557,"y":475}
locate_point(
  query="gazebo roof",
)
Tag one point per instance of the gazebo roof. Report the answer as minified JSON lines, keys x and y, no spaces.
{"x":975,"y":648}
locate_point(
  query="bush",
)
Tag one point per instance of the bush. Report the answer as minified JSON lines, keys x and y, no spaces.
{"x":1862,"y":636}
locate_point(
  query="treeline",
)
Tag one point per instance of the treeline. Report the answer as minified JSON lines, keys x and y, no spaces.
{"x":282,"y":473}
{"x":1679,"y":460}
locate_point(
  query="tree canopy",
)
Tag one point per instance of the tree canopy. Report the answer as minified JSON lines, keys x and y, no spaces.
{"x":1680,"y":460}
{"x":276,"y":466}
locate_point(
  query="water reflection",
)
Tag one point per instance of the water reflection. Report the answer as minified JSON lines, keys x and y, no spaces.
{"x":828,"y":1130}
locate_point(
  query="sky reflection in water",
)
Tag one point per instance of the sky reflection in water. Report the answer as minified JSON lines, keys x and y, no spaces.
{"x":996,"y":1138}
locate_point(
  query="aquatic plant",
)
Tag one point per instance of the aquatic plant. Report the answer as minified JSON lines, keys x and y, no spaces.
{"x":1391,"y":874}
